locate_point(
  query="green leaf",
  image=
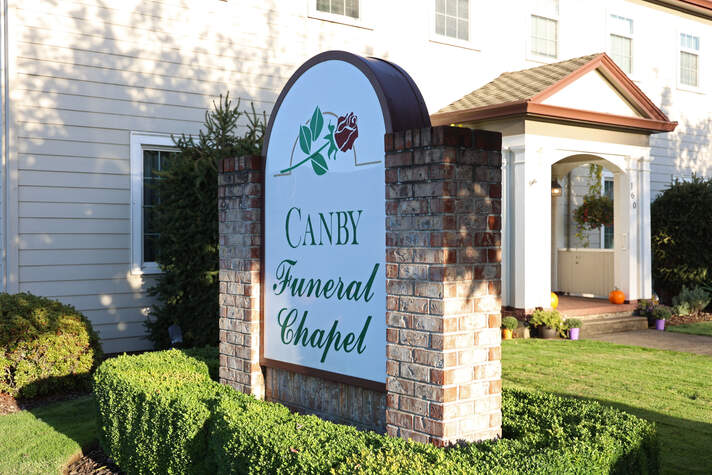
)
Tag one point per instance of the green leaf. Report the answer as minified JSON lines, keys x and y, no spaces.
{"x":305,"y":139}
{"x":316,"y":123}
{"x":319,"y":164}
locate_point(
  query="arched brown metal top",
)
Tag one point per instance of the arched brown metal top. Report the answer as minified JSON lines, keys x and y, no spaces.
{"x":401,"y":101}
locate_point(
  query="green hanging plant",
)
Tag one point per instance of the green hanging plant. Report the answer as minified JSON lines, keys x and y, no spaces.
{"x":596,"y":209}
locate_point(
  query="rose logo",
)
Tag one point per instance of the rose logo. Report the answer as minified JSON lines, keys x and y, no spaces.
{"x":346,"y":132}
{"x":342,"y":139}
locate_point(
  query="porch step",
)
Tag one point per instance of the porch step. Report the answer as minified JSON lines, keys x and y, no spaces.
{"x":611,"y":323}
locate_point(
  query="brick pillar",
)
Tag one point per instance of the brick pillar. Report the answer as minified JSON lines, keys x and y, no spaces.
{"x":443,"y":233}
{"x":240,"y":201}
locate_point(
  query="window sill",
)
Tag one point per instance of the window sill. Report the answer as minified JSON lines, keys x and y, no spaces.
{"x":535,"y":58}
{"x":446,"y":40}
{"x":692,"y":89}
{"x":149,"y":268}
{"x":340,"y":19}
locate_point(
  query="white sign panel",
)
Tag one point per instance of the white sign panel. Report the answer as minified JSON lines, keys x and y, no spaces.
{"x":324,"y":263}
{"x":324,"y":256}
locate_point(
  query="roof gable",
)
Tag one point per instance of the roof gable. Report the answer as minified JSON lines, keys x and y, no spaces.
{"x":566,"y":91}
{"x":593,"y":92}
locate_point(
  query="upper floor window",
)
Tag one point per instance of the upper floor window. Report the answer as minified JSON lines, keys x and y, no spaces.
{"x":689,"y":60}
{"x":544,"y":29}
{"x":621,"y":42}
{"x":452,"y":18}
{"x":349,"y":8}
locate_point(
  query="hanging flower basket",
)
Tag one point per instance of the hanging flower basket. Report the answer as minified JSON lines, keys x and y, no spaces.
{"x":596,"y":211}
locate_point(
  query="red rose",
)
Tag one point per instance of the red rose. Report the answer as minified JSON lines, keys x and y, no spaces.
{"x":346,"y":132}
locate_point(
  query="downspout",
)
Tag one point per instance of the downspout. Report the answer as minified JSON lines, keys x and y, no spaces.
{"x":568,"y":211}
{"x":4,"y":113}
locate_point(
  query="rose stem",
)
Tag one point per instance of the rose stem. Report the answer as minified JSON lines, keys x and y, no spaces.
{"x":303,"y":161}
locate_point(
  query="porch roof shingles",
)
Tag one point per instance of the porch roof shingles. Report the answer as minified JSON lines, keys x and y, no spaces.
{"x":522,"y":94}
{"x":518,"y":86}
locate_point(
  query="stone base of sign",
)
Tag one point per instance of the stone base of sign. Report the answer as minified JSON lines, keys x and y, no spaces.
{"x":338,"y":402}
{"x":443,"y":252}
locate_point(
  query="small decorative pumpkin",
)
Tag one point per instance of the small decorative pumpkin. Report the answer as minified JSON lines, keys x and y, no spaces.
{"x":616,"y":297}
{"x":554,"y":300}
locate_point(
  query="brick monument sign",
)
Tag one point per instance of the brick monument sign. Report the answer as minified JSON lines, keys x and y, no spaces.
{"x":360,"y":258}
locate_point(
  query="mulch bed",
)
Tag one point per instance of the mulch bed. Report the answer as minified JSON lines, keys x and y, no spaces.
{"x":683,"y":319}
{"x":94,"y":461}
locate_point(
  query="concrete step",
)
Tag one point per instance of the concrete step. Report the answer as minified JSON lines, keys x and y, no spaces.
{"x":614,"y":324}
{"x":598,"y":316}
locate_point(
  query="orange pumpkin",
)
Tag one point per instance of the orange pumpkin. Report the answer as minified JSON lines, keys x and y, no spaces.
{"x":506,"y":334}
{"x":554,"y":300}
{"x":616,"y":297}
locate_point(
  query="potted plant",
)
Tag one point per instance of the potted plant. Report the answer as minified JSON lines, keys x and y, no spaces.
{"x":549,"y":322}
{"x":661,"y":313}
{"x":509,"y":324}
{"x":645,"y":309}
{"x":574,"y":326}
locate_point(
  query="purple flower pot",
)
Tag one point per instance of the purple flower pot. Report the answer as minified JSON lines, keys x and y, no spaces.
{"x":660,"y":324}
{"x":574,"y":333}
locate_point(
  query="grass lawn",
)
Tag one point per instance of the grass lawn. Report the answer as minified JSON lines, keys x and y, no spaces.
{"x":42,"y":440}
{"x":699,"y":328}
{"x":669,"y":388}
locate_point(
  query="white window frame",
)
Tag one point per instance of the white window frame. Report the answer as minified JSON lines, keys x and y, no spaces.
{"x":363,"y":21}
{"x":141,"y":141}
{"x":549,"y":14}
{"x":606,"y":176}
{"x":680,"y":85}
{"x":612,"y":30}
{"x":434,"y":37}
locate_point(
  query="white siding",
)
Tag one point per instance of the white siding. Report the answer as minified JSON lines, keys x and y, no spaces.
{"x":85,"y":73}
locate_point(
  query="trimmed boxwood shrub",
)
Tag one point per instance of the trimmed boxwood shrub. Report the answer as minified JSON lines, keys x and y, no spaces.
{"x":45,"y":346}
{"x":161,"y":413}
{"x":153,"y":409}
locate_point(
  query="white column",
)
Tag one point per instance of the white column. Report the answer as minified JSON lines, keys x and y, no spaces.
{"x":645,"y":290}
{"x":512,"y":159}
{"x":530,"y":229}
{"x":626,"y":231}
{"x":507,"y":299}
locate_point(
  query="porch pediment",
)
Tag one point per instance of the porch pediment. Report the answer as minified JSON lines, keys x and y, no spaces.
{"x":590,"y":90}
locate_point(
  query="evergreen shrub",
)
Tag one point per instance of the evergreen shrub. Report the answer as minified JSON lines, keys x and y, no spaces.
{"x":681,"y":226}
{"x":161,"y":413}
{"x":186,"y":218}
{"x":691,"y":301}
{"x":45,"y":346}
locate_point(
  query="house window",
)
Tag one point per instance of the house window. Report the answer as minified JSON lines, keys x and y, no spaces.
{"x":689,"y":60}
{"x":154,"y":161}
{"x":607,"y":241}
{"x":544,"y":29}
{"x":452,"y":18}
{"x":349,"y":8}
{"x":621,"y":42}
{"x":150,"y":154}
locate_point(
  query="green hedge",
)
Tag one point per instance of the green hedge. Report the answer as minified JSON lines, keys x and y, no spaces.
{"x":161,"y":413}
{"x":45,"y":346}
{"x":681,"y":225}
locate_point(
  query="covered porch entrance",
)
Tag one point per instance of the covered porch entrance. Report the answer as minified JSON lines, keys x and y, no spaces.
{"x":554,"y":119}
